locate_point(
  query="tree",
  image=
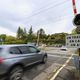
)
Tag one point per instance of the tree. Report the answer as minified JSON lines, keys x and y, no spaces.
{"x":24,"y":35}
{"x":74,"y":31}
{"x":25,"y":32}
{"x":41,"y":35}
{"x":57,"y":38}
{"x":3,"y":37}
{"x":30,"y":35}
{"x":30,"y":31}
{"x":20,"y":33}
{"x":41,"y":32}
{"x":10,"y":38}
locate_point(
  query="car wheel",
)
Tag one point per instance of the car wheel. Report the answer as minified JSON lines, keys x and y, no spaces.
{"x":16,"y":73}
{"x":44,"y":60}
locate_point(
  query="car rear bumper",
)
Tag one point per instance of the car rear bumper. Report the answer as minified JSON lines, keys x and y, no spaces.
{"x":3,"y":77}
{"x":3,"y":69}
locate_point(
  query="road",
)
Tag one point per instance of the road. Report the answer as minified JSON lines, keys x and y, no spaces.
{"x":54,"y":57}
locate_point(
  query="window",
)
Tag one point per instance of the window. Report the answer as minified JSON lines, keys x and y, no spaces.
{"x":24,"y":49}
{"x":0,"y":49}
{"x":32,"y":49}
{"x":14,"y":50}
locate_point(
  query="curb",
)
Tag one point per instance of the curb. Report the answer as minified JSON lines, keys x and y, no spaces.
{"x":67,"y":73}
{"x":48,"y":73}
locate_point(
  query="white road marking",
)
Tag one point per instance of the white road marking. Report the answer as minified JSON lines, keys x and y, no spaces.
{"x":65,"y":64}
{"x":59,"y":52}
{"x":58,"y":56}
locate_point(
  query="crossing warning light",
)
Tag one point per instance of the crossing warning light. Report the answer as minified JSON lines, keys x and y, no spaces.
{"x":76,"y":20}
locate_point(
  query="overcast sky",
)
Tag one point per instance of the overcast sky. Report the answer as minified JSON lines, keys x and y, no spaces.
{"x":54,"y":16}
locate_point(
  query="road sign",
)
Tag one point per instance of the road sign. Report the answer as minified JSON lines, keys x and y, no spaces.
{"x":73,"y":41}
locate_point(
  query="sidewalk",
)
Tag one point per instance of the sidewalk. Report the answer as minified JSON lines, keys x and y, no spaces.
{"x":67,"y":73}
{"x":77,"y":74}
{"x":48,"y":73}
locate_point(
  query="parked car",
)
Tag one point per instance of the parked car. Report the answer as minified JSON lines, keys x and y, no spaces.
{"x":63,"y":48}
{"x":13,"y":59}
{"x":33,"y":44}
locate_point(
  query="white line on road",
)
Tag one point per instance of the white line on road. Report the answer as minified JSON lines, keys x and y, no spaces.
{"x":58,"y":56}
{"x":55,"y":75}
{"x":58,"y":52}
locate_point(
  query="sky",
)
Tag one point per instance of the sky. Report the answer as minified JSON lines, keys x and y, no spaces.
{"x":54,"y":16}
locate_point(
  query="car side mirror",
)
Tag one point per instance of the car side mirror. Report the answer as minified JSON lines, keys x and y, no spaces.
{"x":38,"y":51}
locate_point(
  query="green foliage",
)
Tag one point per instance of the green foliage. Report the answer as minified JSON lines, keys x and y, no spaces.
{"x":74,"y":31}
{"x":10,"y":38}
{"x":20,"y":42}
{"x":21,"y":34}
{"x":15,"y":42}
{"x":30,"y":31}
{"x":3,"y":37}
{"x":41,"y":32}
{"x":30,"y":35}
{"x":42,"y":35}
{"x":24,"y":37}
{"x":57,"y":38}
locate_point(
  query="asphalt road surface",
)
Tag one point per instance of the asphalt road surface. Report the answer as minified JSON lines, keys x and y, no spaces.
{"x":59,"y":57}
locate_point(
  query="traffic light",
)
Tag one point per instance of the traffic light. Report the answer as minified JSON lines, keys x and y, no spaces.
{"x":76,"y":20}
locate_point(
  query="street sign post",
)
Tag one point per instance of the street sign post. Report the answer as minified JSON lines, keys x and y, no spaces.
{"x":76,"y":22}
{"x":73,"y":41}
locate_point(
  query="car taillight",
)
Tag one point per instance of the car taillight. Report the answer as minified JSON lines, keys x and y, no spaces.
{"x":1,"y":60}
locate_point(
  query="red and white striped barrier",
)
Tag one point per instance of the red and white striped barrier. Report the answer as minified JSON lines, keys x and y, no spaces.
{"x":74,"y":7}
